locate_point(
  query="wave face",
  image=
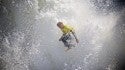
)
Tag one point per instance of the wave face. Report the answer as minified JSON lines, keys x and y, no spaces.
{"x":29,"y":35}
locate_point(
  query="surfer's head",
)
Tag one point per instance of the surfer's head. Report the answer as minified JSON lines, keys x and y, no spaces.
{"x":60,"y":25}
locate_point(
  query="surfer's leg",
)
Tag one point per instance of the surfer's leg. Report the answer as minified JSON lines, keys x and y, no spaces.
{"x":70,"y":41}
{"x":65,"y":42}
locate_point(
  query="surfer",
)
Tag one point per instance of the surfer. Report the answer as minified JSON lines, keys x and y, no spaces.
{"x":66,"y":36}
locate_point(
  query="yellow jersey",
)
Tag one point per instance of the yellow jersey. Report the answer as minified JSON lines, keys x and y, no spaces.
{"x":67,"y":29}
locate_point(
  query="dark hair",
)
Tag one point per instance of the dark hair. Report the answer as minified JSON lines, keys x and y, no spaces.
{"x":59,"y":23}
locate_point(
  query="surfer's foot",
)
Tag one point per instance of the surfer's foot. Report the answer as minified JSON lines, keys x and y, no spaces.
{"x":72,"y":45}
{"x":68,"y":49}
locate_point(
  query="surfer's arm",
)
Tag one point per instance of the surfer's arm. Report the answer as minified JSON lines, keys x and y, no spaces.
{"x":61,"y":37}
{"x":74,"y":34}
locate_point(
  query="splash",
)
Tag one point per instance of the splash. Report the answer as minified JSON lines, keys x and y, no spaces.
{"x":32,"y":42}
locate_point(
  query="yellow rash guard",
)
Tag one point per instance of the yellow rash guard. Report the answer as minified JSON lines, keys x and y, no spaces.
{"x":67,"y":29}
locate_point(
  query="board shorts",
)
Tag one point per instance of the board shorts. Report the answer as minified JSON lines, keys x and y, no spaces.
{"x":67,"y":40}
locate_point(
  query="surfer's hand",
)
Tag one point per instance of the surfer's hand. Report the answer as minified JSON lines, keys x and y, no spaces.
{"x":60,"y":39}
{"x":77,"y":40}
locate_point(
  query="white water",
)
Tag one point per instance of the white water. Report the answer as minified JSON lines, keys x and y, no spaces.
{"x":33,"y":44}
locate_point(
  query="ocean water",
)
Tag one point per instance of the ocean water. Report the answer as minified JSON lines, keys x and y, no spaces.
{"x":29,"y":34}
